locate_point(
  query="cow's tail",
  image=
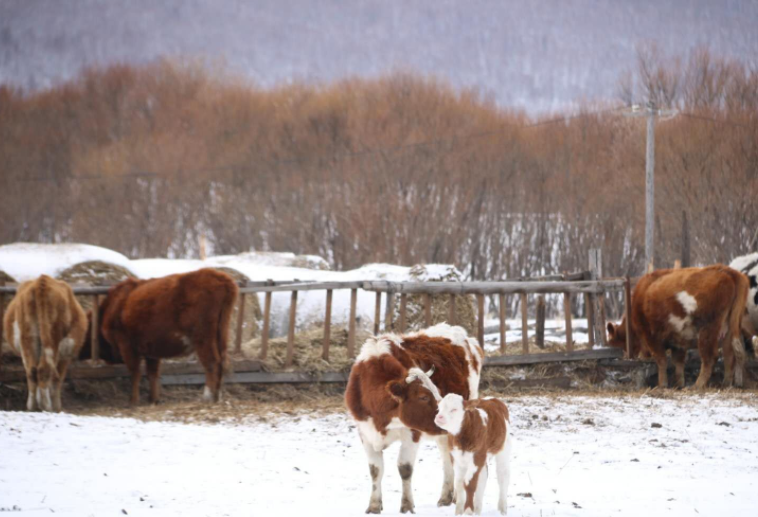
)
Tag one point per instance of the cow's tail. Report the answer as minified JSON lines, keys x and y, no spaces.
{"x":734,"y":333}
{"x":224,"y":322}
{"x":47,"y":357}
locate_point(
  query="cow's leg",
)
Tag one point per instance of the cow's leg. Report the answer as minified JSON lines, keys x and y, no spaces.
{"x":58,"y":384}
{"x":25,"y":342}
{"x":503,"y":465}
{"x":740,"y":356}
{"x":678,"y":355}
{"x":213,"y":370}
{"x":132,"y":362}
{"x":707,"y":345}
{"x":662,"y":362}
{"x":448,"y":493}
{"x":376,"y":469}
{"x":405,"y":462}
{"x":154,"y":378}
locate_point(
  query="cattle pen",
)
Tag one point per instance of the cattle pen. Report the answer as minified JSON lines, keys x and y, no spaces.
{"x":387,"y":294}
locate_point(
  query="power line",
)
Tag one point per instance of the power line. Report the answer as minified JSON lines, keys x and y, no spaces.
{"x":337,"y":157}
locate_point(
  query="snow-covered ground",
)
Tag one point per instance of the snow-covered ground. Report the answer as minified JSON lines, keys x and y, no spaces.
{"x":583,"y":456}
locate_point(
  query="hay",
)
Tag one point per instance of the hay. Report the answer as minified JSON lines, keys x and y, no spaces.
{"x":94,"y":272}
{"x":5,"y":278}
{"x":253,"y":314}
{"x":465,"y":306}
{"x":307,"y":350}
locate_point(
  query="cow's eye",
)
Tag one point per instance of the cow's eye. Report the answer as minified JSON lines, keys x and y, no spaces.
{"x":424,"y":398}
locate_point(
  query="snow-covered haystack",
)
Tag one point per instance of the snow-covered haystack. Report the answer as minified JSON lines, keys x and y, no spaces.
{"x":277,"y":259}
{"x":27,"y":261}
{"x":465,"y":306}
{"x":308,"y":350}
{"x":252,"y":314}
{"x":94,"y":272}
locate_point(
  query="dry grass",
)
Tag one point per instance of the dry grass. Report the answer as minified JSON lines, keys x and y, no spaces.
{"x":308,"y":347}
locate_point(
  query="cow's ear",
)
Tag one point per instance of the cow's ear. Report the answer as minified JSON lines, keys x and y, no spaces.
{"x":398,"y":390}
{"x":611,"y":330}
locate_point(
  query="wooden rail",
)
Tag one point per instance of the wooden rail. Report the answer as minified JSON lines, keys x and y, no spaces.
{"x":567,"y":285}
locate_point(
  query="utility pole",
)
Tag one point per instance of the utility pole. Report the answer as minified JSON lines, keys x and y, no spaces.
{"x":652,"y":111}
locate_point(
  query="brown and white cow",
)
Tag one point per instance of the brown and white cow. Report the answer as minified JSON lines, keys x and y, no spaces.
{"x":45,"y":325}
{"x":477,"y":430}
{"x":678,"y":309}
{"x":392,"y":399}
{"x":748,"y":264}
{"x":166,"y":317}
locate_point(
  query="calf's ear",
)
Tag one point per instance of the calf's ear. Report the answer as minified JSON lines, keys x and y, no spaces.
{"x":398,"y":390}
{"x":611,"y":330}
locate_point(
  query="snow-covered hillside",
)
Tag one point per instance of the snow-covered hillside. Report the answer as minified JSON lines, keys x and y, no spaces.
{"x":573,"y":456}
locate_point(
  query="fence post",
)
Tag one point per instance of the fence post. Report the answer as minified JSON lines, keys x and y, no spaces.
{"x":501,"y":297}
{"x":524,"y":325}
{"x":266,"y":323}
{"x":428,"y":310}
{"x":327,"y":326}
{"x":2,"y":315}
{"x":240,"y":323}
{"x":377,"y":312}
{"x":95,"y":336}
{"x":685,"y":240}
{"x":596,"y":273}
{"x":567,"y":316}
{"x":480,"y":325}
{"x":403,"y":308}
{"x":389,"y":308}
{"x":291,"y":333}
{"x":451,"y":310}
{"x":589,"y":313}
{"x":540,"y":324}
{"x":351,"y":323}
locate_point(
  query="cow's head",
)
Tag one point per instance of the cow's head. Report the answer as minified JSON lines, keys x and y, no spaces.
{"x":109,"y":317}
{"x":417,"y":397}
{"x":617,"y":338}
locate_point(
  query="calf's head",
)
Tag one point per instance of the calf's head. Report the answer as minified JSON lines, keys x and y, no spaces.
{"x":450,"y":413}
{"x":417,"y":397}
{"x":617,"y":338}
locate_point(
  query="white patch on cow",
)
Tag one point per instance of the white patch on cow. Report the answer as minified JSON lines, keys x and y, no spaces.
{"x":688,"y":302}
{"x":44,"y":401}
{"x":378,"y":441}
{"x":683,"y":326}
{"x":30,"y":405}
{"x":464,"y":464}
{"x":483,"y":415}
{"x":457,"y":335}
{"x":49,"y":357}
{"x":207,"y":394}
{"x":378,"y":346}
{"x":66,"y":347}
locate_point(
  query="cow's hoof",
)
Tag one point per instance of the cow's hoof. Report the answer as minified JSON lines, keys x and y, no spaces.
{"x":374,"y":507}
{"x":406,"y":506}
{"x":446,"y":499}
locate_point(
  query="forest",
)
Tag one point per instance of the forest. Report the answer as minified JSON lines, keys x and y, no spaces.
{"x":151,"y":159}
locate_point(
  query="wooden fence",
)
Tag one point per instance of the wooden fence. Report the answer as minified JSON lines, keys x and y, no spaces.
{"x":569,"y":286}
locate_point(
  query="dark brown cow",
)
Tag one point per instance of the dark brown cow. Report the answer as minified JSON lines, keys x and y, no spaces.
{"x":477,"y":430}
{"x":170,"y":317}
{"x":392,"y":399}
{"x":678,"y":309}
{"x":45,"y":325}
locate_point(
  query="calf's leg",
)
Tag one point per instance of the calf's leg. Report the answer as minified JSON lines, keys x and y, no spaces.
{"x":132,"y":362}
{"x":448,"y":494}
{"x":26,"y":344}
{"x":480,"y":486}
{"x":662,"y":362}
{"x":503,"y":465}
{"x":707,"y":345}
{"x":58,"y":384}
{"x":405,"y":462}
{"x":678,"y":355}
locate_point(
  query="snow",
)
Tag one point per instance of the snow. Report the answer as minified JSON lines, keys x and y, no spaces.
{"x":555,"y":330}
{"x":576,"y":456}
{"x":26,"y":261}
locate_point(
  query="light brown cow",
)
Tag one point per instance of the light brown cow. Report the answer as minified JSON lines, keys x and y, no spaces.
{"x":45,"y":325}
{"x":678,"y":309}
{"x":391,"y":398}
{"x":477,"y":430}
{"x":167,"y":317}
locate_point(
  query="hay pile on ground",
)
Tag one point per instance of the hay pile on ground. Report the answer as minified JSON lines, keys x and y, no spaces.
{"x":252,"y":315}
{"x":94,"y":272}
{"x":465,"y":306}
{"x":308,"y":349}
{"x":5,"y":278}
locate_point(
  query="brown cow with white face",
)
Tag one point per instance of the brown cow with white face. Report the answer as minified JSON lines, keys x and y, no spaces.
{"x":679,"y":309}
{"x":392,"y":394}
